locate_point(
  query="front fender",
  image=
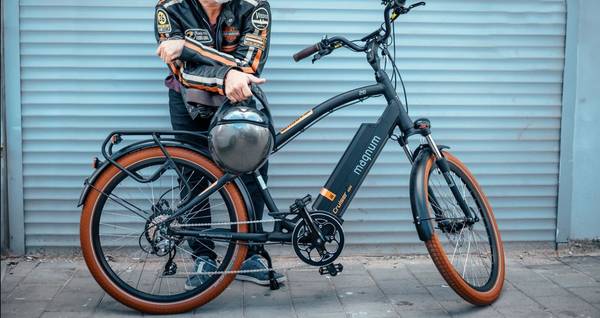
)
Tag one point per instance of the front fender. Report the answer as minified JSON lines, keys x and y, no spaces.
{"x":418,"y":204}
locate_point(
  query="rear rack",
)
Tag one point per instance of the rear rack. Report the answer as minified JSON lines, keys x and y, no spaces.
{"x":157,"y":138}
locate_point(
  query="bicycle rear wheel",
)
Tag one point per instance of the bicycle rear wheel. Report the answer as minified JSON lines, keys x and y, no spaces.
{"x":469,"y":256}
{"x":136,"y":261}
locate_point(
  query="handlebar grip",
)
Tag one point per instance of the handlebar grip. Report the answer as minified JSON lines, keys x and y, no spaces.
{"x":306,"y":52}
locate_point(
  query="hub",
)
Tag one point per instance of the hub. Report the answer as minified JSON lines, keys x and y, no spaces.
{"x":156,"y":231}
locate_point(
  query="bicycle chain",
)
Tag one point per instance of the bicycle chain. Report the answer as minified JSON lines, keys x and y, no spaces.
{"x":244,"y":271}
{"x":177,"y":225}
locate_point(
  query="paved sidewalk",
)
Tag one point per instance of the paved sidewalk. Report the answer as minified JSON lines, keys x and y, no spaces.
{"x":536,"y":286}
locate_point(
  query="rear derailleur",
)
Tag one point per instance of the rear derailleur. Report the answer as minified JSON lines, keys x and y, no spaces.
{"x":157,"y":234}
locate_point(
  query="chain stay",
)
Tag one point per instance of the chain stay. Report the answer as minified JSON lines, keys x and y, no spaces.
{"x":178,"y":225}
{"x":222,"y":223}
{"x":231,"y":223}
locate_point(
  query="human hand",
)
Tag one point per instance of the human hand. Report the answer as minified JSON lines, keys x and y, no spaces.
{"x":170,"y":50}
{"x":237,"y":85}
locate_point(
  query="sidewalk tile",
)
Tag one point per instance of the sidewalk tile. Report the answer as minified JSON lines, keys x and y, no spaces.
{"x":544,"y":288}
{"x":23,"y":309}
{"x":440,"y":313}
{"x":49,"y":276}
{"x":418,"y":302}
{"x":75,"y":301}
{"x":323,"y":315}
{"x":51,"y":314}
{"x":30,"y":292}
{"x":108,"y":307}
{"x":569,"y":306}
{"x":589,"y":294}
{"x":539,"y":287}
{"x":317,"y":305}
{"x":463,"y":309}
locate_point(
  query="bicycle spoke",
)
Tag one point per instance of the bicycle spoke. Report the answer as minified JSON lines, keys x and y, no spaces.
{"x":124,"y":205}
{"x":467,"y":248}
{"x":135,"y":241}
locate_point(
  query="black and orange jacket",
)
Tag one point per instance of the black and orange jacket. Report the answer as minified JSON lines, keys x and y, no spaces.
{"x":239,"y":41}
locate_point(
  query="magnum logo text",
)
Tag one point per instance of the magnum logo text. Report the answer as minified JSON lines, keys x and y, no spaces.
{"x":367,"y":155}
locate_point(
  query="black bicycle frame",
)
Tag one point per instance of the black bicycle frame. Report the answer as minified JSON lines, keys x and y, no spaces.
{"x":361,"y":153}
{"x":353,"y":166}
{"x":345,"y":180}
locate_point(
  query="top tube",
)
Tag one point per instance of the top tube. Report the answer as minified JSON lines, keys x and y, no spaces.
{"x":329,"y":106}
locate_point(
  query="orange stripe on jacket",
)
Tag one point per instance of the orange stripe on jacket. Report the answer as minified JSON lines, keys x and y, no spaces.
{"x":174,"y":69}
{"x":212,"y":89}
{"x":258,"y":55}
{"x":210,"y":55}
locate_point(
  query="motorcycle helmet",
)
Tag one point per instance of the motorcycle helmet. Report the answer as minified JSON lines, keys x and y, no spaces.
{"x":240,"y":139}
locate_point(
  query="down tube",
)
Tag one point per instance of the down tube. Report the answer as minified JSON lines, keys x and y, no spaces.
{"x":354,"y":166}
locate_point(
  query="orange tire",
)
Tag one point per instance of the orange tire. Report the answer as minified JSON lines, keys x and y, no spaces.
{"x":476,"y":296}
{"x":97,"y":271}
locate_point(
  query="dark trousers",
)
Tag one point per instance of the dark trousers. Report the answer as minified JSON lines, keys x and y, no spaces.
{"x":181,"y":120}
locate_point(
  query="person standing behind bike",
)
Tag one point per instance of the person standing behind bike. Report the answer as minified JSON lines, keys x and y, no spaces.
{"x":214,"y":49}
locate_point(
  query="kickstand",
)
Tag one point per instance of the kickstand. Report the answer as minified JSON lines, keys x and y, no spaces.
{"x":273,"y":283}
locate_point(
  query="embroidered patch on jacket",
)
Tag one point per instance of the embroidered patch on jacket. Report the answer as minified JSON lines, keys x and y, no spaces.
{"x":200,"y":35}
{"x":163,"y":24}
{"x":261,"y":18}
{"x":253,"y":40}
{"x":230,"y":34}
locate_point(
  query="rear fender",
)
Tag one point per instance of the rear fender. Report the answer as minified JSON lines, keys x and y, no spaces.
{"x":104,"y":165}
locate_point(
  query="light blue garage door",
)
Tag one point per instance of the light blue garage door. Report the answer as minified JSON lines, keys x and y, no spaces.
{"x":487,"y":73}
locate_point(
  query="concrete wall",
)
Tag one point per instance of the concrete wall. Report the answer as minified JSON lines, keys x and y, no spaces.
{"x":585,"y":207}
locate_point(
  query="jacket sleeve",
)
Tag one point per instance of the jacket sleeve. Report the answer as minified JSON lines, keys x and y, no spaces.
{"x":166,"y":25}
{"x":250,"y":55}
{"x":208,"y":77}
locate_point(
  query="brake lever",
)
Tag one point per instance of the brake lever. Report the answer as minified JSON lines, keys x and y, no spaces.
{"x":322,"y":53}
{"x":405,"y":10}
{"x":325,"y":50}
{"x":316,"y":57}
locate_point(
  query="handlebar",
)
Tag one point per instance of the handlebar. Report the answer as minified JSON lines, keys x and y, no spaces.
{"x":395,"y":8}
{"x":306,"y":52}
{"x":326,"y":46}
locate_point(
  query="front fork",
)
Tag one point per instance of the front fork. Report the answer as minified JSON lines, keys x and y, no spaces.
{"x":423,"y":127}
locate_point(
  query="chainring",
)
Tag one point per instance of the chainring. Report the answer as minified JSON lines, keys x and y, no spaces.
{"x":305,"y":243}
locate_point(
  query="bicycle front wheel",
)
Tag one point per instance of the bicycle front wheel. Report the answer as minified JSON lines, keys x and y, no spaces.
{"x":138,"y":261}
{"x":469,"y":255}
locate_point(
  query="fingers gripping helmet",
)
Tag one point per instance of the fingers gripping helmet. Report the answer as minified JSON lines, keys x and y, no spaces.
{"x":240,"y":139}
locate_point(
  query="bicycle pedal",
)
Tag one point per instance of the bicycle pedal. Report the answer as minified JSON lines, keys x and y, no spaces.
{"x":331,"y":269}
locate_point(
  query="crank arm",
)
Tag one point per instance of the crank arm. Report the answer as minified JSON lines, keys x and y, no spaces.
{"x":309,"y":220}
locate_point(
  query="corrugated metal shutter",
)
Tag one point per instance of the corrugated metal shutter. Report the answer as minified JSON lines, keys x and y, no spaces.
{"x":488,"y":74}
